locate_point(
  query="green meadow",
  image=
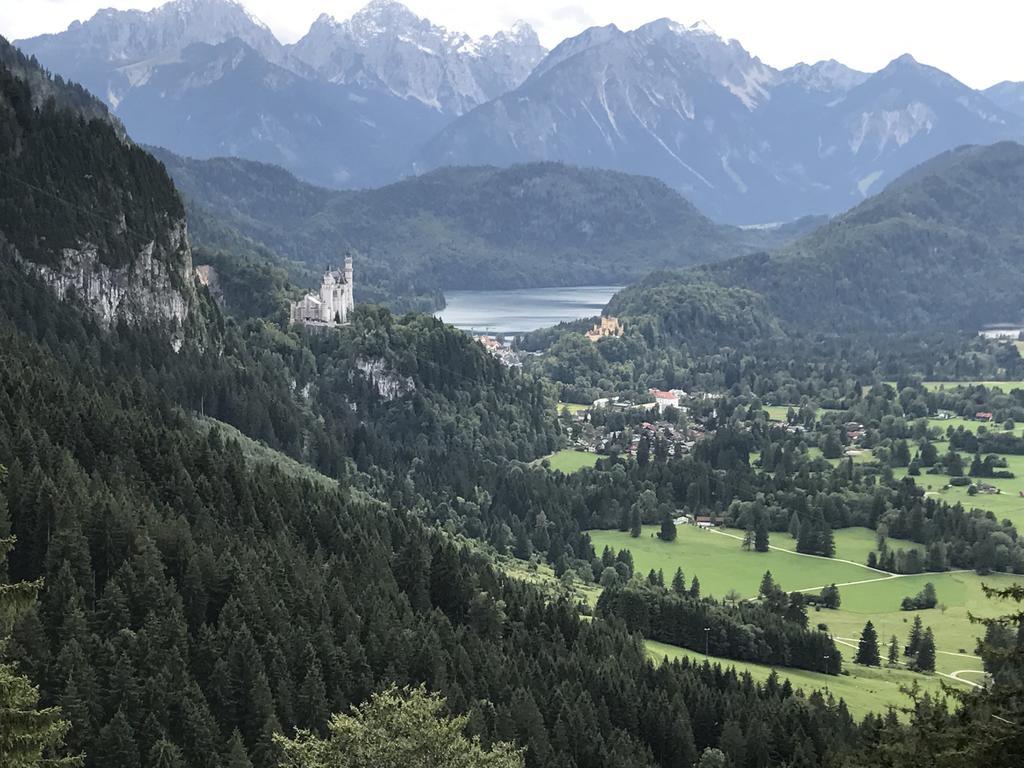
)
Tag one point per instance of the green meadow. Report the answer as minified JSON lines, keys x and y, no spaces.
{"x":569,"y":461}
{"x":1005,"y":386}
{"x":863,"y":689}
{"x":573,"y":408}
{"x":718,"y":561}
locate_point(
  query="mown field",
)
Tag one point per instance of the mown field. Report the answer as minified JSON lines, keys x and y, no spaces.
{"x":721,"y":565}
{"x":863,"y":689}
{"x":569,"y":461}
{"x":573,"y":408}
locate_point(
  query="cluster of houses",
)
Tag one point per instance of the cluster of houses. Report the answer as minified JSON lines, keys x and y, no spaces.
{"x":501,"y":350}
{"x":662,"y":399}
{"x":854,"y":432}
{"x":678,"y":440}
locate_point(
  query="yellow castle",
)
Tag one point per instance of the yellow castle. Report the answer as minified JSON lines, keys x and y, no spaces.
{"x":607,"y":326}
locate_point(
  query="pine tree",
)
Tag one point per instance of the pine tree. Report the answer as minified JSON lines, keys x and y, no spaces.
{"x":794,"y":525}
{"x":668,"y":528}
{"x":748,"y":540}
{"x":914,"y":639}
{"x":236,"y":756}
{"x":635,"y":524}
{"x":761,"y":534}
{"x":925,"y":661}
{"x":867,"y":648}
{"x":695,"y":588}
{"x":27,"y":732}
{"x":830,"y":597}
{"x":894,"y":651}
{"x":679,"y":582}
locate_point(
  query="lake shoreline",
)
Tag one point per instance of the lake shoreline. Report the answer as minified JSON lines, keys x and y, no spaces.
{"x":523,"y":310}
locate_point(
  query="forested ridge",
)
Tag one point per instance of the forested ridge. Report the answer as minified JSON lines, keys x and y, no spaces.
{"x":67,"y":178}
{"x":463,"y":228}
{"x":938,"y":250}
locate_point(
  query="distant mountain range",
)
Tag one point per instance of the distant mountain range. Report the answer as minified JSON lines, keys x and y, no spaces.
{"x":385,"y":94}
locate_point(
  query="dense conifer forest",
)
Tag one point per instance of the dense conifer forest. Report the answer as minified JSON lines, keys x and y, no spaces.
{"x":212,"y":547}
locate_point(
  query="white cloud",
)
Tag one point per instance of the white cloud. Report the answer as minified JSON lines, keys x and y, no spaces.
{"x":978,"y":43}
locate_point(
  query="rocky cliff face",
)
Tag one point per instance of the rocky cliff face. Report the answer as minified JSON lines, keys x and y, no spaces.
{"x":156,"y":287}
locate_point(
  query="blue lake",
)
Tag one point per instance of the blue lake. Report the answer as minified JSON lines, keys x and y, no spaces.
{"x":523,"y":310}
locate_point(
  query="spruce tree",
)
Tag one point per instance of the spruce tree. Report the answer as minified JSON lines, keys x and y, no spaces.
{"x":679,"y":582}
{"x":27,"y":733}
{"x":695,"y":588}
{"x":761,"y":534}
{"x":914,"y":639}
{"x":925,"y":661}
{"x":668,"y":528}
{"x":894,"y":651}
{"x":635,"y":525}
{"x":867,"y":648}
{"x":794,"y":525}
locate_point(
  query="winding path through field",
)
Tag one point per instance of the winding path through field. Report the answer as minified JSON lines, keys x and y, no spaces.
{"x":852,"y":643}
{"x":886,"y":576}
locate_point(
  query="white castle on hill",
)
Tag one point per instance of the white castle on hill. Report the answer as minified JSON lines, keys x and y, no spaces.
{"x":334,"y":303}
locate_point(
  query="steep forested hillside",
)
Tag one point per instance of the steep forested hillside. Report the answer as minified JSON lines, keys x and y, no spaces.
{"x":702,"y":316}
{"x":195,"y":605}
{"x":532,"y":225}
{"x":197,"y":602}
{"x":107,"y":193}
{"x":942,"y":248}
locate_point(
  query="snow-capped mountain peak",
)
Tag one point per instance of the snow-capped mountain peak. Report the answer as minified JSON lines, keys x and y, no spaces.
{"x":386,"y":43}
{"x":828,"y":76}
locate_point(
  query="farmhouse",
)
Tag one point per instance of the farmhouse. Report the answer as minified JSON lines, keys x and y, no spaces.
{"x":667,"y":399}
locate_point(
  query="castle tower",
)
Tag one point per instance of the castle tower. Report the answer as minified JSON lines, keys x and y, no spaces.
{"x":348,"y":300}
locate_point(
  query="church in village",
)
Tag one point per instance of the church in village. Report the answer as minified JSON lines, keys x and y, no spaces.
{"x":332,"y":305}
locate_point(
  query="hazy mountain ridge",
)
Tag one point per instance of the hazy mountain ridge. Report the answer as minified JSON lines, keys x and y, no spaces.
{"x":385,"y":94}
{"x":472,"y":228}
{"x":744,"y":141}
{"x":940,"y":249}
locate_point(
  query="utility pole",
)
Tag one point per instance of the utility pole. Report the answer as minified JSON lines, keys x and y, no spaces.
{"x":825,"y":659}
{"x":706,"y":631}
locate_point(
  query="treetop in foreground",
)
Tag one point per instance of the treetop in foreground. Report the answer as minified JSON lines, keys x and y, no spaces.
{"x":404,"y":728}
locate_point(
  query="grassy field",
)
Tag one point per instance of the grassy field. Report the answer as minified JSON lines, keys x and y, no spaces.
{"x":573,"y":408}
{"x":569,"y":461}
{"x":864,"y":689}
{"x":1006,"y":386}
{"x":543,"y":575}
{"x":256,"y":452}
{"x":720,"y":564}
{"x":851,"y":543}
{"x":780,"y":412}
{"x":1005,"y":505}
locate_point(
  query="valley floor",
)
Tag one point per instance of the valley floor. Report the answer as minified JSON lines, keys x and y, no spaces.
{"x":717,"y":560}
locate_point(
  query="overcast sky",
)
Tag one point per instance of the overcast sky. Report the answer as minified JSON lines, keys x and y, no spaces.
{"x":980,"y":41}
